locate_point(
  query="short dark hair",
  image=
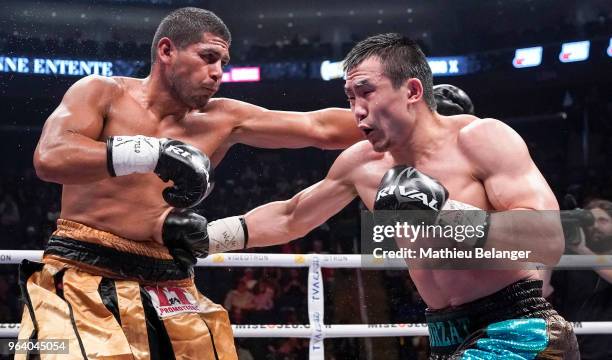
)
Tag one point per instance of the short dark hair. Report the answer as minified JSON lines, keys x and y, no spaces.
{"x":604,"y":205}
{"x":185,"y":26}
{"x":401,"y":57}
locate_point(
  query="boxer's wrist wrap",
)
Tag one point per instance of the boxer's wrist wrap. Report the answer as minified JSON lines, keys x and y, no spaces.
{"x":227,"y":234}
{"x":131,"y":154}
{"x":456,"y":213}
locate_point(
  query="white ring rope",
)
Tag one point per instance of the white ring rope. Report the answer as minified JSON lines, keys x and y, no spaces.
{"x":317,"y":330}
{"x":304,"y":260}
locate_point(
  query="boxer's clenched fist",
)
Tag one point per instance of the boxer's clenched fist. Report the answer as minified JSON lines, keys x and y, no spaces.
{"x":186,"y":166}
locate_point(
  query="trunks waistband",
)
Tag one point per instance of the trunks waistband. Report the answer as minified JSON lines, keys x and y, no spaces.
{"x":96,"y":251}
{"x":449,"y":327}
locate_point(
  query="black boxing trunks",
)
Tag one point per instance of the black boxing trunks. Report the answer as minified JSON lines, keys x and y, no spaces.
{"x":513,"y":323}
{"x":114,"y":298}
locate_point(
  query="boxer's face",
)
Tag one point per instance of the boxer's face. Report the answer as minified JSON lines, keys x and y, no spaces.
{"x":380,"y":110}
{"x":197,"y":69}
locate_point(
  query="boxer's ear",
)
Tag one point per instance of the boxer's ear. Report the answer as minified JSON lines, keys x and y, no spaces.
{"x":165,"y":50}
{"x":415,"y":90}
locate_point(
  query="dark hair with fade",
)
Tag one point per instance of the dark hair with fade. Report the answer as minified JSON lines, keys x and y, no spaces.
{"x":185,"y":26}
{"x":401,"y":58}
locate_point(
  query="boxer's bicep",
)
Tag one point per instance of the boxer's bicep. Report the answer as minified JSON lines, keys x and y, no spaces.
{"x":69,"y":140}
{"x":82,"y":109}
{"x":518,"y":185}
{"x":502,"y":162}
{"x":513,"y":182}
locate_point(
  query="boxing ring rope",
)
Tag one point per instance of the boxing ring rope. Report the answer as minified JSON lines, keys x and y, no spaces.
{"x":316,"y":330}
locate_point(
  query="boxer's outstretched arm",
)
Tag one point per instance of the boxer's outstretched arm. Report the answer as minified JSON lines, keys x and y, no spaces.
{"x":68,"y":151}
{"x":512,"y":181}
{"x":282,"y":221}
{"x":332,"y":128}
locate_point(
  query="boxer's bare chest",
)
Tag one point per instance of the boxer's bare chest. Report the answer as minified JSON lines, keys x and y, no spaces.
{"x":441,"y":288}
{"x":207,"y":130}
{"x":448,"y":165}
{"x":132,"y":206}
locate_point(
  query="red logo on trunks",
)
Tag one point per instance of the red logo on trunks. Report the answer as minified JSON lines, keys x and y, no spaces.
{"x":171,"y":300}
{"x":179,"y":297}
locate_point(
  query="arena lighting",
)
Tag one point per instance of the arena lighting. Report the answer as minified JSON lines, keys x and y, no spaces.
{"x":609,"y":51}
{"x":446,"y":66}
{"x":574,"y":51}
{"x":331,"y":70}
{"x":440,"y":66}
{"x":242,"y":74}
{"x":527,"y":57}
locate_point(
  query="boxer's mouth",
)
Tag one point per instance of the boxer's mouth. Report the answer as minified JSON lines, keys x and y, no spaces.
{"x":366,"y":131}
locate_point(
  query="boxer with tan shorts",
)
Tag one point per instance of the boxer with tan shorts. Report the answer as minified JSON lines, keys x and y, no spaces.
{"x":117,"y":276}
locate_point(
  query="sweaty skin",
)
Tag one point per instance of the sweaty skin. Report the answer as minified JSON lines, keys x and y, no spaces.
{"x":72,"y":149}
{"x":482,"y":162}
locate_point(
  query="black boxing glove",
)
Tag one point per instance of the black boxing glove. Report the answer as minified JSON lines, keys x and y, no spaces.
{"x":186,"y":166}
{"x":450,"y":100}
{"x":185,"y":235}
{"x":188,"y":235}
{"x":406,"y":188}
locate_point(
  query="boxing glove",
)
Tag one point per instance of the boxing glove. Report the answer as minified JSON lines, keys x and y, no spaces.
{"x":186,"y":166}
{"x":188,"y":235}
{"x":406,"y":188}
{"x":450,"y":100}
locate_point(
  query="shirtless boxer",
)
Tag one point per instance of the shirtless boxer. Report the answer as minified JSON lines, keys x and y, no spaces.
{"x":473,"y":313}
{"x":117,"y":280}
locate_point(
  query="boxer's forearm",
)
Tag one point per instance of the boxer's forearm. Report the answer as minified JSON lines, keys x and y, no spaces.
{"x":71,"y":159}
{"x":267,"y":225}
{"x":273,"y":224}
{"x":537,"y":231}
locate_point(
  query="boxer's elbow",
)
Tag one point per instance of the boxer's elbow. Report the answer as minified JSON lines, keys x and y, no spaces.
{"x":47,"y":165}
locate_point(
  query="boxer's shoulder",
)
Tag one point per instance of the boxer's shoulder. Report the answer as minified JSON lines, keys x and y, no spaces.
{"x":362,"y":152}
{"x":486,"y":141}
{"x":358,"y":156}
{"x":104,"y":84}
{"x":486,"y":132}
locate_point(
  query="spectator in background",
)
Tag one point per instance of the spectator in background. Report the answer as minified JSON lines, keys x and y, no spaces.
{"x":239,"y":302}
{"x":9,"y":211}
{"x":294,"y":291}
{"x":6,"y":313}
{"x":586,"y":295}
{"x":263,"y":302}
{"x":288,"y":349}
{"x":249,"y":279}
